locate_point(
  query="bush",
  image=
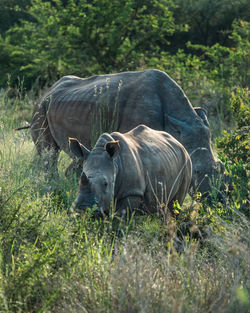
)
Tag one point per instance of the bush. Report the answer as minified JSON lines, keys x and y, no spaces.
{"x":229,"y":65}
{"x":234,"y":147}
{"x":84,"y":38}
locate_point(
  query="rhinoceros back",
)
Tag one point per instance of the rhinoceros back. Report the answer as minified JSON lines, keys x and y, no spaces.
{"x":153,"y":165}
{"x":74,"y":106}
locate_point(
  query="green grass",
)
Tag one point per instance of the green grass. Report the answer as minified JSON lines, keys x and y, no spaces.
{"x":54,"y":261}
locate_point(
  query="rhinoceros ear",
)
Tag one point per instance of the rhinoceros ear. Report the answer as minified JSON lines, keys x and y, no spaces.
{"x":112,"y":147}
{"x":78,"y":149}
{"x":202,"y":113}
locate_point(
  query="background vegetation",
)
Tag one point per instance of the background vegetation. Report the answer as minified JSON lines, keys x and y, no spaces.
{"x":52,"y":260}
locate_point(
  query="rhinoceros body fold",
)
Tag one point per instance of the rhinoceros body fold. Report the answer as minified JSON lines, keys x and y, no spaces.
{"x":80,"y":108}
{"x":142,"y":168}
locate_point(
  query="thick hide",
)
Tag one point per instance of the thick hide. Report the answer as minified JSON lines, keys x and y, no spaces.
{"x":85,"y":108}
{"x":140,"y":169}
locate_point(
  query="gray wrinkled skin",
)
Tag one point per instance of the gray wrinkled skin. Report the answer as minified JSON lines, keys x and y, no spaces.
{"x":148,"y":97}
{"x":139,"y":169}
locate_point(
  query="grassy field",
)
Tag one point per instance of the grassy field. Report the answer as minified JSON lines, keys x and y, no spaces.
{"x":54,"y":261}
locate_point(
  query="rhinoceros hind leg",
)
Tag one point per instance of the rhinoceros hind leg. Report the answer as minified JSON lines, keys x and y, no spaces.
{"x":128,"y":206}
{"x":46,"y":146}
{"x":180,"y":196}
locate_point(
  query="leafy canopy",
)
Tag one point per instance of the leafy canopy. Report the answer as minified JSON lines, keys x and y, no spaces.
{"x":84,"y":37}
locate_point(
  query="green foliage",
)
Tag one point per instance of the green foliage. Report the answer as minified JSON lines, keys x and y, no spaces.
{"x":231,"y":65}
{"x":44,"y":40}
{"x":208,"y":20}
{"x":11,"y":11}
{"x":234,"y":146}
{"x":85,"y":37}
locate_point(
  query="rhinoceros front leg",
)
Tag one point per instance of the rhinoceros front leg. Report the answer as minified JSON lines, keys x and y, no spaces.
{"x":128,"y":205}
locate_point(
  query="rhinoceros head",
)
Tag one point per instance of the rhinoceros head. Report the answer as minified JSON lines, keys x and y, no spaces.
{"x":207,"y":173}
{"x":194,"y":134}
{"x":96,"y":186}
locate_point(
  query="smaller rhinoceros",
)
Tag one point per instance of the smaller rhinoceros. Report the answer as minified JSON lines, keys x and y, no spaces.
{"x":140,"y":169}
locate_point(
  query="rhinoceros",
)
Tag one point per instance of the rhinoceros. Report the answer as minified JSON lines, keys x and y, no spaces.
{"x":139,"y":169}
{"x":81,"y":108}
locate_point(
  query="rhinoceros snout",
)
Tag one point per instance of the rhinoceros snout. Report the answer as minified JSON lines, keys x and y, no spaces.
{"x":84,"y":202}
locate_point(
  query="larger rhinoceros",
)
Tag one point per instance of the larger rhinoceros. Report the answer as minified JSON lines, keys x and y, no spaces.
{"x":85,"y":108}
{"x":139,"y":169}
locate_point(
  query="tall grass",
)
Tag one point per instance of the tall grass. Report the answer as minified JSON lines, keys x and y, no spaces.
{"x":102,"y":118}
{"x":54,"y":261}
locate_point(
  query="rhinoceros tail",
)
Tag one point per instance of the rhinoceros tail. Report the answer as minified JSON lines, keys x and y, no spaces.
{"x":24,"y":127}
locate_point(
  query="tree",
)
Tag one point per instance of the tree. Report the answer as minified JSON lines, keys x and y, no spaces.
{"x":209,"y":20}
{"x":85,"y":37}
{"x":11,"y":11}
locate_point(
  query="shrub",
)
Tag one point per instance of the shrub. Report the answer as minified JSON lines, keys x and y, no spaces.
{"x":234,"y":147}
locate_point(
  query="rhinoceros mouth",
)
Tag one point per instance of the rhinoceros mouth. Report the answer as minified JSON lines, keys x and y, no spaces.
{"x":95,"y":211}
{"x":85,"y":201}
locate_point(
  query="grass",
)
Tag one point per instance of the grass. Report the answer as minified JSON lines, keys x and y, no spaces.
{"x":102,"y":120}
{"x":54,"y":261}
